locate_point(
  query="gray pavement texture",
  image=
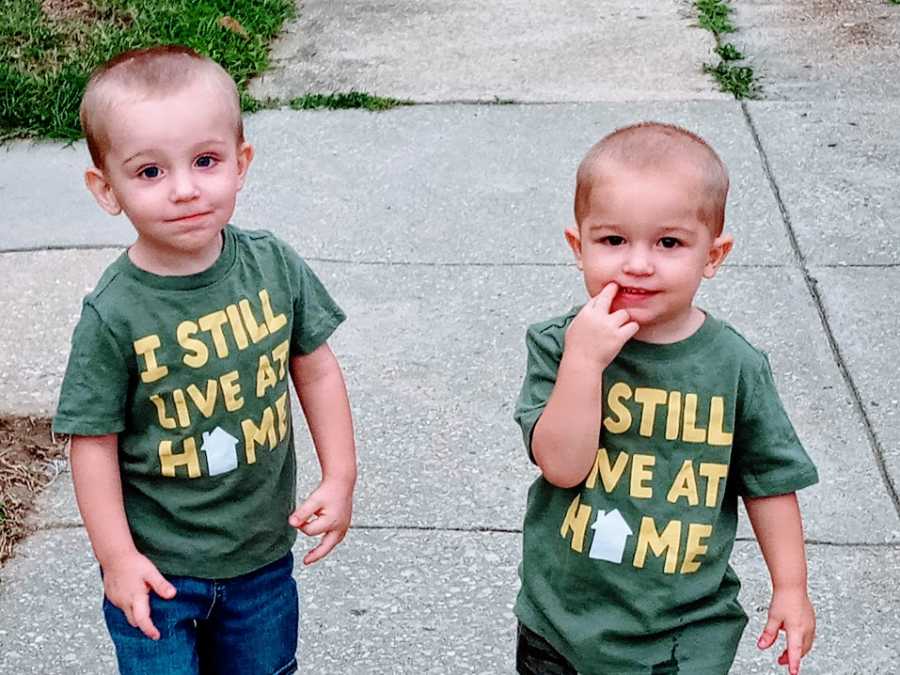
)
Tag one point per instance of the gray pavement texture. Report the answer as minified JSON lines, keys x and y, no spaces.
{"x":508,"y":50}
{"x":821,"y":49}
{"x":439,"y":229}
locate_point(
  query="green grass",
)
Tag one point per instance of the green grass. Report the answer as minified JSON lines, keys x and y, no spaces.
{"x":714,"y":16}
{"x":352,"y":99}
{"x":728,"y":52}
{"x":46,"y":57}
{"x":739,"y":81}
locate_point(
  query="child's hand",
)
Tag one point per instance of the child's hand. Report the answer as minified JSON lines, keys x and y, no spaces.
{"x":792,"y":612}
{"x":326,"y":512}
{"x":127,"y":582}
{"x":597,"y":335}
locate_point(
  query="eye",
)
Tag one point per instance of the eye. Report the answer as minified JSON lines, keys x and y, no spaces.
{"x":613,"y":240}
{"x":205,"y":161}
{"x":149,"y":172}
{"x":669,"y":242}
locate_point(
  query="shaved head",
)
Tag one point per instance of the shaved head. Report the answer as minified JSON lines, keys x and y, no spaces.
{"x":147,"y":73}
{"x":661,"y":148}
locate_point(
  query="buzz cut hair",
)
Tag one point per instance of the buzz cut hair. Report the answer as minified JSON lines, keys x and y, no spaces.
{"x":656,"y":147}
{"x":146,"y":73}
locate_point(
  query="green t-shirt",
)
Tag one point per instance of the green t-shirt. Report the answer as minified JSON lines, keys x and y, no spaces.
{"x":628,"y":572}
{"x":192,"y":374}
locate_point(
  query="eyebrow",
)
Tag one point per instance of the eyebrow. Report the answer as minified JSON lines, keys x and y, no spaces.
{"x":615,"y":228}
{"x":137,"y":154}
{"x":678,"y":231}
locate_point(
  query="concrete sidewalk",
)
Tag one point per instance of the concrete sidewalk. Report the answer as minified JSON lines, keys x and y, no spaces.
{"x":439,"y":229}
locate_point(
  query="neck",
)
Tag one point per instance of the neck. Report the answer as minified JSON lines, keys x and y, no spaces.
{"x":165,"y":262}
{"x":674,"y":330}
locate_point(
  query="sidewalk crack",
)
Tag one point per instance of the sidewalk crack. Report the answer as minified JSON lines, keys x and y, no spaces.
{"x":59,"y":525}
{"x":874,"y":441}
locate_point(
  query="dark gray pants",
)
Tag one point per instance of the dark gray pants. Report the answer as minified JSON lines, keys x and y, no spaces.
{"x":536,"y":656}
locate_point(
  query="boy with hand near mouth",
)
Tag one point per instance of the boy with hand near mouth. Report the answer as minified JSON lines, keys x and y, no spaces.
{"x":176,"y":393}
{"x":626,"y":545}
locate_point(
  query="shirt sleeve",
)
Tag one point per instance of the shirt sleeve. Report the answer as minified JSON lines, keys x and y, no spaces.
{"x":95,"y":387}
{"x":316,"y":314}
{"x":770,"y":458}
{"x":544,"y":354}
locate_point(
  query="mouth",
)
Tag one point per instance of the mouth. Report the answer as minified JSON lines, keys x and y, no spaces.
{"x":634,"y":292}
{"x":631,"y":296}
{"x":189,"y":218}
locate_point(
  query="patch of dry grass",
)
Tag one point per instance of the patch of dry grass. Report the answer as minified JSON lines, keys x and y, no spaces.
{"x":30,"y":459}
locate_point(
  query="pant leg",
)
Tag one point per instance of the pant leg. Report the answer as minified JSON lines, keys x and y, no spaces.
{"x":536,"y":656}
{"x":253,"y":627}
{"x":175,"y":653}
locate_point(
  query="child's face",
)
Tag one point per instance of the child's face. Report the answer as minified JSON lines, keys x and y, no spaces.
{"x":641,"y":231}
{"x":174,"y":165}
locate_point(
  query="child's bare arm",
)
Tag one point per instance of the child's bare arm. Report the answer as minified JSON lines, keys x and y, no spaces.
{"x":128,"y":576}
{"x":327,"y":511}
{"x":564,"y":441}
{"x":779,"y":530}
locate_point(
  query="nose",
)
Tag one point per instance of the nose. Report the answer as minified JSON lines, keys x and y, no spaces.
{"x":183,"y":187}
{"x":638,"y":262}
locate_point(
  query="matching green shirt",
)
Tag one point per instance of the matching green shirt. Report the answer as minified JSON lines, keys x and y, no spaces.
{"x":628,"y":572}
{"x":192,"y":373}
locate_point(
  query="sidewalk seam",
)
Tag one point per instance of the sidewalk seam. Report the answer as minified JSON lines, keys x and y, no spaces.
{"x":410,"y":263}
{"x":874,"y":442}
{"x":476,"y":263}
{"x":438,"y":263}
{"x":61,"y":247}
{"x":71,"y":525}
{"x":502,"y":530}
{"x":62,"y":525}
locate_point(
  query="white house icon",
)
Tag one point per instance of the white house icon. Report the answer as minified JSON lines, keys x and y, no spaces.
{"x":610,"y":533}
{"x":221,"y":455}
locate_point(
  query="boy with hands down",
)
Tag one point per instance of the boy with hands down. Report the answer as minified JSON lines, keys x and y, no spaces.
{"x":177,"y":389}
{"x":626,"y":541}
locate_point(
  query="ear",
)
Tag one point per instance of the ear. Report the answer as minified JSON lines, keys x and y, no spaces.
{"x":573,"y":237}
{"x":718,"y":251}
{"x":244,"y":157}
{"x":101,"y":188}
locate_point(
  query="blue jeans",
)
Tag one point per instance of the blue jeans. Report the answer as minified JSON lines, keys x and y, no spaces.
{"x":246,"y":625}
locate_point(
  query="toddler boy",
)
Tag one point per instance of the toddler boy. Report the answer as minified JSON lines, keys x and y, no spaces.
{"x":176,"y":392}
{"x":625,"y":564}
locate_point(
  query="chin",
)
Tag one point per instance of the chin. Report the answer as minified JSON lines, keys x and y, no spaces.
{"x":637,"y":313}
{"x":644,"y":321}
